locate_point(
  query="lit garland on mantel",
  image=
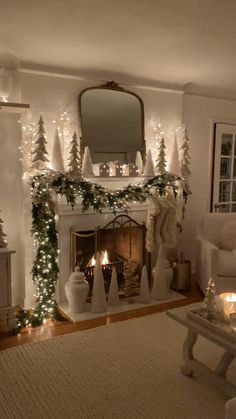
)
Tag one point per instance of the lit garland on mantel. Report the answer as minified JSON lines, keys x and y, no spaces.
{"x":45,"y":266}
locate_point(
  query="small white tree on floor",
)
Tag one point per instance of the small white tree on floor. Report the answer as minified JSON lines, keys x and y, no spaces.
{"x":57,"y":159}
{"x":40,"y":160}
{"x":87,"y":166}
{"x":161,"y":159}
{"x":185,"y":157}
{"x":3,"y":241}
{"x":74,"y":159}
{"x":173,"y":165}
{"x":149,"y":167}
{"x":144,"y":295}
{"x":113,"y":295}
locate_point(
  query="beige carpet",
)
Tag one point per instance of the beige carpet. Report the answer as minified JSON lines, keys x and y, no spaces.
{"x":125,"y":370}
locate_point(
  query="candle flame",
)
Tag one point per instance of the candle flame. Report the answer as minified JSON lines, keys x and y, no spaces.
{"x":104,"y":258}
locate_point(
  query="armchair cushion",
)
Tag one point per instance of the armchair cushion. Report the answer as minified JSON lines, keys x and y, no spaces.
{"x":226,"y":263}
{"x":227,"y":236}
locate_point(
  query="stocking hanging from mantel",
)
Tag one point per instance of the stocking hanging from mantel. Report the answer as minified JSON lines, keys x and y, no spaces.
{"x":161,"y":222}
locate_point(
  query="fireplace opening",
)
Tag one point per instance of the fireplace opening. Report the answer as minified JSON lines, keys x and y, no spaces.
{"x":117,"y":242}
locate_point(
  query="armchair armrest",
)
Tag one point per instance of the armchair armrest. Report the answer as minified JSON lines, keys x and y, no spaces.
{"x":206,"y":244}
{"x":206,"y":261}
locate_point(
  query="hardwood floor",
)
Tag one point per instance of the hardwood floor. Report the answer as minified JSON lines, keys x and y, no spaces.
{"x":51,"y":329}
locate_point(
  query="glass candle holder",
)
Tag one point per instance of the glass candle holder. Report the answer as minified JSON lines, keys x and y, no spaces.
{"x":232,"y":318}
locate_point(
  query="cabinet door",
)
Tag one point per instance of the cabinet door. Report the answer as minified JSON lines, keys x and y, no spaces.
{"x":4,"y":280}
{"x":224,"y":172}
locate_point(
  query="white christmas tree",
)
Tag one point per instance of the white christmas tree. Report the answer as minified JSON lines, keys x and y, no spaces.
{"x":57,"y":159}
{"x":113,"y":295}
{"x":3,"y":241}
{"x":99,"y":304}
{"x":74,"y":159}
{"x":144,"y":296}
{"x":159,"y":289}
{"x":139,"y":162}
{"x":149,"y":167}
{"x":161,"y":159}
{"x":87,"y":166}
{"x":173,"y":164}
{"x":185,"y":158}
{"x":40,"y":160}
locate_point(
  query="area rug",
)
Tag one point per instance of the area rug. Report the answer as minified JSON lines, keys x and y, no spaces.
{"x":125,"y":370}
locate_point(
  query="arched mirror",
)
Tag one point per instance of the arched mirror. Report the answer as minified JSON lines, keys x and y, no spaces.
{"x":112,"y":123}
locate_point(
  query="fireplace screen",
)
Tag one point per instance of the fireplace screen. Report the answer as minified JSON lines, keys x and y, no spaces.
{"x":117,"y":242}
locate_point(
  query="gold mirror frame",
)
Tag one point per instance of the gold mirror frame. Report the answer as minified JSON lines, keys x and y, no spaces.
{"x":112,"y":85}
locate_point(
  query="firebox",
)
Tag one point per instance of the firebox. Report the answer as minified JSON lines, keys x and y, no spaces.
{"x":118,"y":241}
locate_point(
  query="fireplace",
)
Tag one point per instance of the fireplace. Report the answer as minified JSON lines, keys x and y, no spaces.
{"x":121,"y":239}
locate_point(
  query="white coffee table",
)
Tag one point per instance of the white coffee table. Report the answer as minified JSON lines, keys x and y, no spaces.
{"x":192,"y":366}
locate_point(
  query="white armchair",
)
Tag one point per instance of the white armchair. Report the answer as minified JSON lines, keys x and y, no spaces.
{"x":212,"y":261}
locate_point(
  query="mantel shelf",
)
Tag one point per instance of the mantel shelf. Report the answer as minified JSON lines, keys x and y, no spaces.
{"x":11,"y":107}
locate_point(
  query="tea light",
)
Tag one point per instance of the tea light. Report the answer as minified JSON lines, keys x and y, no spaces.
{"x":226,"y":303}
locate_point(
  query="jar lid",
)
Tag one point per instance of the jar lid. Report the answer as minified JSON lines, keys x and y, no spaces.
{"x":77,"y":275}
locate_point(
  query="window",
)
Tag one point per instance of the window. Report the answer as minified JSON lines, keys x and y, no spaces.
{"x":224,"y":169}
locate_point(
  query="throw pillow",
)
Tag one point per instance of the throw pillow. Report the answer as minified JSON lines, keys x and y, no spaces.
{"x":227,"y":236}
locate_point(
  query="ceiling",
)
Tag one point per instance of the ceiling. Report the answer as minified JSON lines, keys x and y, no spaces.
{"x":180,"y":44}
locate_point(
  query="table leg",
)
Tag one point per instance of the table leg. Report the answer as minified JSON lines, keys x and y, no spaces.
{"x":188,"y":352}
{"x":224,"y":364}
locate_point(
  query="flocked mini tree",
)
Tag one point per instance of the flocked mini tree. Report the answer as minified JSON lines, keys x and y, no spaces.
{"x":173,"y":164}
{"x":40,"y":160}
{"x":3,"y":241}
{"x":185,"y":158}
{"x":57,"y":158}
{"x":161,"y":159}
{"x":74,"y":159}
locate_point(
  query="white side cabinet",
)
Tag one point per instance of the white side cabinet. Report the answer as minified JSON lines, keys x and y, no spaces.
{"x":6,"y":310}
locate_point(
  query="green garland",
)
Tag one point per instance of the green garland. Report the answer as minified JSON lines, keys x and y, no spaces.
{"x":45,"y":266}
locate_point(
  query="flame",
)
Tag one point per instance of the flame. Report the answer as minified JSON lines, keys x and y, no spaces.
{"x":104,"y":258}
{"x":92,"y":262}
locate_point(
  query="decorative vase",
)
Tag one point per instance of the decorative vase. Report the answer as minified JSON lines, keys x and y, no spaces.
{"x":76,"y":290}
{"x":182,"y":275}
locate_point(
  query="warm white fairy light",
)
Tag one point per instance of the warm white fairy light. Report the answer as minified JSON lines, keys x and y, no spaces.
{"x":64,"y":122}
{"x":29,"y":135}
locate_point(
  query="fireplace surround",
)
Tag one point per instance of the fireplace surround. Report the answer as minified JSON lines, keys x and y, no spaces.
{"x":71,"y":223}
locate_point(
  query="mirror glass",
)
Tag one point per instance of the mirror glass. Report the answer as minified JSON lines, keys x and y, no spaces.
{"x":112,"y":124}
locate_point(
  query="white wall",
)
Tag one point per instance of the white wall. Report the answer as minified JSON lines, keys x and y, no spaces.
{"x":198,"y":115}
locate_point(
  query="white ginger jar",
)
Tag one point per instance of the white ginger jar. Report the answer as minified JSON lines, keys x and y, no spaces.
{"x":76,"y":290}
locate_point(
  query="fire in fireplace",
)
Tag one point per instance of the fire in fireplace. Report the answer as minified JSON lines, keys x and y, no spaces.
{"x":117,"y":242}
